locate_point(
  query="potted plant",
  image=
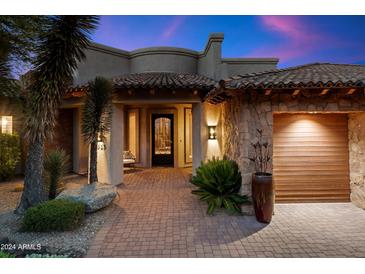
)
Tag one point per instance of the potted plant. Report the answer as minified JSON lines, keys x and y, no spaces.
{"x":262,"y":184}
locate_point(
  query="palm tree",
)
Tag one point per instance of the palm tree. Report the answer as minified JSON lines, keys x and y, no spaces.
{"x":96,"y":119}
{"x":18,"y":39}
{"x":60,"y":49}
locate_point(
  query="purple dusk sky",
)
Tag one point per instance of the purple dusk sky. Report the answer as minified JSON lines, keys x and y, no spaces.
{"x":294,"y":39}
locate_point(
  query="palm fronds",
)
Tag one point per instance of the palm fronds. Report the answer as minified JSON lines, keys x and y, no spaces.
{"x":96,"y":115}
{"x":96,"y":118}
{"x":61,"y":48}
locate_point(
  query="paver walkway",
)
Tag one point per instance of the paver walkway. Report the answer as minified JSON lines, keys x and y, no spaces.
{"x":157,"y":216}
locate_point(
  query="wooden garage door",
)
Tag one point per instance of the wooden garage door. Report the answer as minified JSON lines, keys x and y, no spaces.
{"x":310,"y":161}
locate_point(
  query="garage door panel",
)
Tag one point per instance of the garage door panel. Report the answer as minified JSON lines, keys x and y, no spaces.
{"x":301,"y":119}
{"x":308,"y":153}
{"x":296,"y":148}
{"x":311,"y":139}
{"x":303,"y":134}
{"x":310,"y":157}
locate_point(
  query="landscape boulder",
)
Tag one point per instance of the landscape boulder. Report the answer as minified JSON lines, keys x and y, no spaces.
{"x":95,"y":196}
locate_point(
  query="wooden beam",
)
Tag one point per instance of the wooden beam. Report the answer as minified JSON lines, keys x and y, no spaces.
{"x":351,"y":91}
{"x":324,"y":92}
{"x":268,"y":92}
{"x":296,"y":92}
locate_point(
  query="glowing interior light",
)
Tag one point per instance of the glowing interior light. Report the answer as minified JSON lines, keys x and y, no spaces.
{"x":7,"y":124}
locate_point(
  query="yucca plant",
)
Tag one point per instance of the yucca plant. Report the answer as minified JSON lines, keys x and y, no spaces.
{"x":61,"y":48}
{"x":219,"y":183}
{"x":96,"y":118}
{"x":55,"y":167}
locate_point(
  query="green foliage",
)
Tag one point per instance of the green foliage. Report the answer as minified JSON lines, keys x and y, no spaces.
{"x":96,"y":116}
{"x":61,"y":47}
{"x":9,"y":155}
{"x":54,"y":215}
{"x":6,"y":255}
{"x":55,"y":168}
{"x":19,"y":36}
{"x":219,"y":182}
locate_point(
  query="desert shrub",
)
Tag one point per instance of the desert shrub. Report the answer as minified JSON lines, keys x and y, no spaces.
{"x":54,"y":215}
{"x":6,"y":255}
{"x":55,"y":168}
{"x":9,"y":155}
{"x":219,"y":182}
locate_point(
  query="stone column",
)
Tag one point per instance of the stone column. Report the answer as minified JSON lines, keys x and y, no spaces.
{"x":110,"y":163}
{"x":356,"y":134}
{"x":80,"y":149}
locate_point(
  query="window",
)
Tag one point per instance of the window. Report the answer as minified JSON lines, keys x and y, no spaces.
{"x":163,"y":136}
{"x":188,"y":117}
{"x":133,"y":132}
{"x":7,"y":124}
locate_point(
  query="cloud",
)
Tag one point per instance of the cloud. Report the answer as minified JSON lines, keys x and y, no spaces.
{"x":296,"y":37}
{"x":172,"y":27}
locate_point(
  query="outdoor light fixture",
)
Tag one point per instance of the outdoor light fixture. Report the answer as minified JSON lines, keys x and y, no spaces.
{"x":100,"y":143}
{"x":212,"y":132}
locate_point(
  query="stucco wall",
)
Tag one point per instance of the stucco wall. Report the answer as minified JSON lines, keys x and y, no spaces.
{"x":63,"y":135}
{"x":102,"y":60}
{"x":165,"y":59}
{"x":357,"y":158}
{"x":243,"y":114}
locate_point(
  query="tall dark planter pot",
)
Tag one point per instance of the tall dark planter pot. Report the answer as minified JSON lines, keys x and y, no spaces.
{"x":263,"y":196}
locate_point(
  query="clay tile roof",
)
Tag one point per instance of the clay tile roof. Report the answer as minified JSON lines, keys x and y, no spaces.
{"x":305,"y":76}
{"x":168,"y":80}
{"x":152,"y":80}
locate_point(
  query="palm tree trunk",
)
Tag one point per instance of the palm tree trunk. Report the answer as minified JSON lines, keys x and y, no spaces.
{"x":34,"y":192}
{"x":93,"y":162}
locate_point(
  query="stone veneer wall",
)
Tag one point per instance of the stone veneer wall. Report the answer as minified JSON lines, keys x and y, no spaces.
{"x":246,"y":112}
{"x":357,"y":158}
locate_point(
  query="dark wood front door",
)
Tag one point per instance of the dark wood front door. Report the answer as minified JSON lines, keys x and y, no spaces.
{"x":162,"y":139}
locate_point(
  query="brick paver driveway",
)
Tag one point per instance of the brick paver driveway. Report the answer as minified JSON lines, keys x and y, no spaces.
{"x":157,"y":216}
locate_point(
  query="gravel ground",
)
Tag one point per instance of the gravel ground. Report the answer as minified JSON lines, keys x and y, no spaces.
{"x":71,"y":243}
{"x":8,"y":198}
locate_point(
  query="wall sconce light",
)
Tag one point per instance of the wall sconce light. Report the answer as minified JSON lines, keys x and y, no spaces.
{"x":100,"y":143}
{"x":212,"y":132}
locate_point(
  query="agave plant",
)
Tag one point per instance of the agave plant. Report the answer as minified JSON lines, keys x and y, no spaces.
{"x":219,"y":182}
{"x":261,"y":157}
{"x":55,"y":167}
